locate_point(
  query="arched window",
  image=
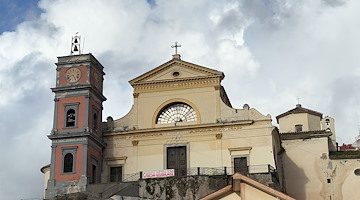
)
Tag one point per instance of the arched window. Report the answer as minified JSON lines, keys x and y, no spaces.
{"x":71,"y":115}
{"x":176,"y":112}
{"x":68,"y":163}
{"x":70,"y":118}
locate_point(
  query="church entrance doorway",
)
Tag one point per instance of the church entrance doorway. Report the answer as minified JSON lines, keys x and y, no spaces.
{"x":240,"y":165}
{"x":176,"y":159}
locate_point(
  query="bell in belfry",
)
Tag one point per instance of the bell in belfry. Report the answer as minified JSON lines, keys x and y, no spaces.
{"x":75,"y":45}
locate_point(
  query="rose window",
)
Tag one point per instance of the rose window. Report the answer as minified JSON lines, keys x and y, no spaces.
{"x":177,"y":112}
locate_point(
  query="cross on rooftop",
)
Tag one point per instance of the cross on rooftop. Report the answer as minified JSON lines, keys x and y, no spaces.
{"x":176,"y":46}
{"x":298,"y":100}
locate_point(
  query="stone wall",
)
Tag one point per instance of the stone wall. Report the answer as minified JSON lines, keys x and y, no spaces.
{"x":179,"y":188}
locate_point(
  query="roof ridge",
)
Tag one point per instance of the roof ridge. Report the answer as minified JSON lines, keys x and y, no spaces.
{"x":298,"y":109}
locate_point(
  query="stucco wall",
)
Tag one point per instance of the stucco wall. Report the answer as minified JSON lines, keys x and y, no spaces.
{"x":300,"y":163}
{"x":308,"y":122}
{"x":203,"y":101}
{"x":254,"y":193}
{"x":205,"y":147}
{"x":310,"y":174}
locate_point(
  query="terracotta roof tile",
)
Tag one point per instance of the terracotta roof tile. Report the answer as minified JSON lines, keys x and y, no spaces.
{"x":304,"y":135}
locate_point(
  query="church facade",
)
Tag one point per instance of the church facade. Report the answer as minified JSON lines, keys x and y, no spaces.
{"x":181,"y":120}
{"x":182,"y":124}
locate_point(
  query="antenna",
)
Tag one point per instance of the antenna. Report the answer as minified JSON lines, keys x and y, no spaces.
{"x":83,"y":45}
{"x":298,"y":104}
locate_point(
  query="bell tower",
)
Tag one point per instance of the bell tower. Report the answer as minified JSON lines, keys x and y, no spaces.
{"x":77,"y":144}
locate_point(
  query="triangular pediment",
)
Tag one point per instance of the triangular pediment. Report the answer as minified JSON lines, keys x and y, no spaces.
{"x":175,"y":70}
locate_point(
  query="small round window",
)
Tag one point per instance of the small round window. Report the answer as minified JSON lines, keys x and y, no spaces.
{"x":176,"y":74}
{"x":357,"y":172}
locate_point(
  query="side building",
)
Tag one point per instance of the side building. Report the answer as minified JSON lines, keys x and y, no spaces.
{"x":313,"y":168}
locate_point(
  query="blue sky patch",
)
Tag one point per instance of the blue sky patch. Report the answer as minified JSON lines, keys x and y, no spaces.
{"x":13,"y":12}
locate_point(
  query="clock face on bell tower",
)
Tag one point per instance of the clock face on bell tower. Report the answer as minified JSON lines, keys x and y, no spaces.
{"x":73,"y":75}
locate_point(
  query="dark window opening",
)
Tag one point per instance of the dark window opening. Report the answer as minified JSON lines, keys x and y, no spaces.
{"x":116,"y":174}
{"x":95,"y":122}
{"x":70,"y":118}
{"x":328,"y":180}
{"x":93,"y":175}
{"x":68,"y":163}
{"x":298,"y":128}
{"x":176,"y":74}
{"x":357,"y":172}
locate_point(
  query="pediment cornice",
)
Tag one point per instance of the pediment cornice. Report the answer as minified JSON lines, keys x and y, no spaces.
{"x":173,"y":84}
{"x":146,"y":78}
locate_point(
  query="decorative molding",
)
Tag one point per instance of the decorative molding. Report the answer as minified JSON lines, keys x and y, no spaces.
{"x":177,"y":83}
{"x":217,"y":87}
{"x":116,"y":158}
{"x":135,"y":142}
{"x":136,"y":95}
{"x":76,"y":140}
{"x":190,"y":129}
{"x":172,"y":63}
{"x":240,"y":149}
{"x":218,"y":136}
{"x":135,"y":134}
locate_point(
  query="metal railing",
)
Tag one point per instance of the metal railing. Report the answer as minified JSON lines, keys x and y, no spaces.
{"x":128,"y":179}
{"x":194,"y":171}
{"x":114,"y":179}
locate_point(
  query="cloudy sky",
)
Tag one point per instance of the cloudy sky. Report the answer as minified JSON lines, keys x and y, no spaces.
{"x":271,"y":51}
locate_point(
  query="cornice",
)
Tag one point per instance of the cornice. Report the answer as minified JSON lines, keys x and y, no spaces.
{"x":58,"y":138}
{"x":116,"y":158}
{"x":240,"y":149}
{"x":304,"y":135}
{"x":206,"y":127}
{"x":73,"y":90}
{"x":181,"y":63}
{"x":171,"y":84}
